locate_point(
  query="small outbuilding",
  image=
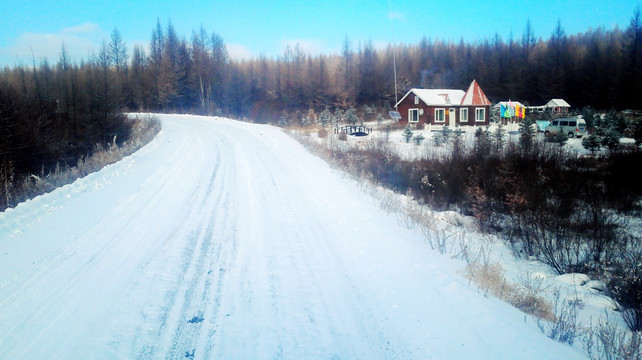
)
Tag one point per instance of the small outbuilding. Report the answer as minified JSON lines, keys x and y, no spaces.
{"x":445,"y":106}
{"x":558,"y":106}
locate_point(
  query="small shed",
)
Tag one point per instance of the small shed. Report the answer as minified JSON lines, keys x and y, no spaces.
{"x":558,"y":106}
{"x":508,"y":103}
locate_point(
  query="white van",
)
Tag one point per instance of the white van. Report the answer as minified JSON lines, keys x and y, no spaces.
{"x":571,"y":127}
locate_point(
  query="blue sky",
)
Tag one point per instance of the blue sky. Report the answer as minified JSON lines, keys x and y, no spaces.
{"x":252,"y":28}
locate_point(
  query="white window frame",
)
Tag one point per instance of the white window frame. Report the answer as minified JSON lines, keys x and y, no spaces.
{"x":443,"y":115}
{"x":483,"y":113}
{"x":410,"y":111}
{"x":462,"y":118}
{"x":416,"y":100}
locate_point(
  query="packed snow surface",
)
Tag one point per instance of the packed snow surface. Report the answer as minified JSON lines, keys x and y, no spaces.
{"x":228,"y":240}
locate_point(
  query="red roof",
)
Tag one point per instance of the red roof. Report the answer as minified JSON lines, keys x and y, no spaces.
{"x":475,"y":96}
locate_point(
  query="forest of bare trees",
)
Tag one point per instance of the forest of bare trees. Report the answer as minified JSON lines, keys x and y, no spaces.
{"x":53,"y":113}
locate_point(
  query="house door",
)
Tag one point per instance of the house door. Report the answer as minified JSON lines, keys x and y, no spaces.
{"x":451,"y":117}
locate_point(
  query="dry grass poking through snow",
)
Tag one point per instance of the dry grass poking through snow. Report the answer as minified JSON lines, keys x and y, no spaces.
{"x":489,"y":277}
{"x":143,"y":129}
{"x":375,"y":166}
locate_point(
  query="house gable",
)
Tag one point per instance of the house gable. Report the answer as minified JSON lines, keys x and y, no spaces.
{"x":475,"y":96}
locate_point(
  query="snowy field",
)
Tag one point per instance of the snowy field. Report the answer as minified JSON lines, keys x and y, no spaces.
{"x":228,"y":240}
{"x":427,"y":148}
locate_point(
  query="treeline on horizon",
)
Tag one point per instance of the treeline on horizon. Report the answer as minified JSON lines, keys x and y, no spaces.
{"x":599,"y":68}
{"x":53,"y":113}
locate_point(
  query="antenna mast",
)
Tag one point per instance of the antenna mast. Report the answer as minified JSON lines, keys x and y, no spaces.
{"x":394,"y":59}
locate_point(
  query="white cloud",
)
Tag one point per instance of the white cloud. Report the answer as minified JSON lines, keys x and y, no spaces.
{"x":86,"y":28}
{"x":78,"y":41}
{"x":238,"y":51}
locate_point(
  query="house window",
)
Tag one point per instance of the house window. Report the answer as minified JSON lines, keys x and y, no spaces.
{"x":480,"y":114}
{"x":416,"y":100}
{"x":413,"y":115}
{"x":463,"y":115}
{"x":440,"y":115}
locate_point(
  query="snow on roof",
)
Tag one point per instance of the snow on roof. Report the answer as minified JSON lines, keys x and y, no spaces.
{"x":475,"y":96}
{"x":437,"y":96}
{"x":447,"y":97}
{"x":505,"y":103}
{"x":557,"y":103}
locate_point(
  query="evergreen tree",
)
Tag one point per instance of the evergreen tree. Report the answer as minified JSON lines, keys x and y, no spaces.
{"x":526,"y":134}
{"x":483,"y":143}
{"x":591,"y":143}
{"x":458,"y":143}
{"x":351,"y":116}
{"x":407,"y":133}
{"x":611,"y":139}
{"x":637,"y":132}
{"x":499,"y":137}
{"x":561,"y":138}
{"x":325,"y":118}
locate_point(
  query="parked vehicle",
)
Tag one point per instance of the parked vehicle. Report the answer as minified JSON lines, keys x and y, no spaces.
{"x":542,"y":124}
{"x":571,"y":127}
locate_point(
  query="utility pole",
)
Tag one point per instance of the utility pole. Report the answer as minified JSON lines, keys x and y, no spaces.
{"x":394,"y":58}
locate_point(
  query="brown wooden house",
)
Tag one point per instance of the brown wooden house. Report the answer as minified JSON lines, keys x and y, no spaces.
{"x":445,"y":106}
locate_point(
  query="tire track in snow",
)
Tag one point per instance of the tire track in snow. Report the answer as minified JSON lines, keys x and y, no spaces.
{"x":240,"y":227}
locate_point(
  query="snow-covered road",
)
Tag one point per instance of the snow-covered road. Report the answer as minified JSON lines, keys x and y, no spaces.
{"x":228,"y":240}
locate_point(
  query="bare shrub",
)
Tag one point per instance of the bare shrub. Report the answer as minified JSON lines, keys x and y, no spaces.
{"x":608,"y":341}
{"x":389,"y":203}
{"x":531,"y":282}
{"x":411,"y":215}
{"x":480,"y":206}
{"x":625,"y":285}
{"x":322,"y":133}
{"x":342,"y":136}
{"x":564,"y":327}
{"x":437,"y":240}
